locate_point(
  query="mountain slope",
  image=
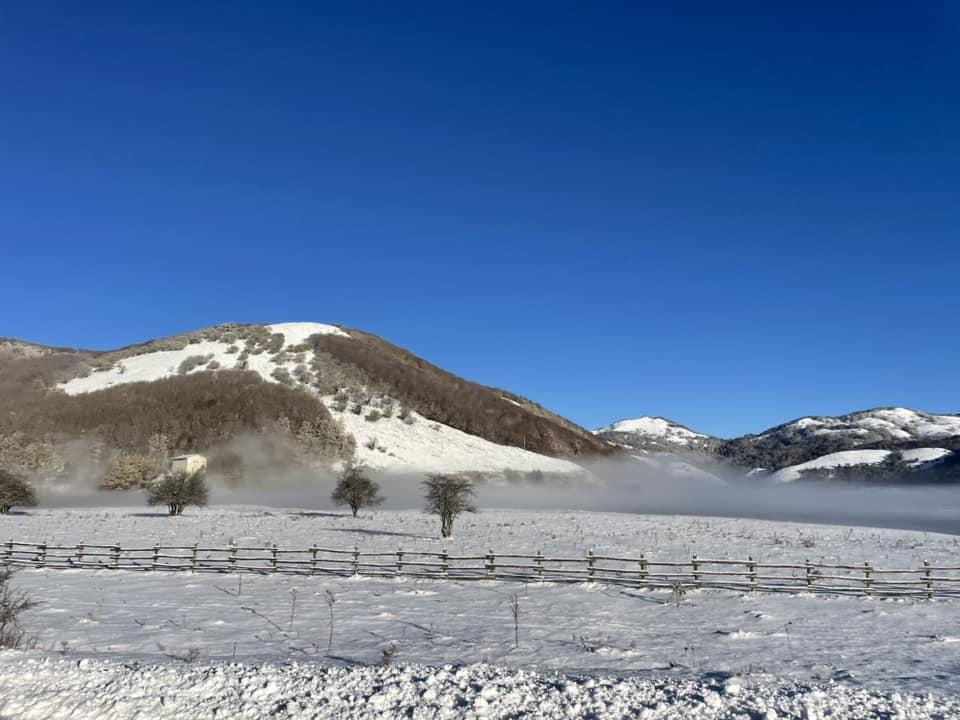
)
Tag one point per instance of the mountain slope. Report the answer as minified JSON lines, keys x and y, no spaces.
{"x":321,"y":392}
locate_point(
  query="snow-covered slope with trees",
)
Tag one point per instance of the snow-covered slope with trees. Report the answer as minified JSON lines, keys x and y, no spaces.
{"x":199,"y":356}
{"x":403,"y":414}
{"x":892,"y":423}
{"x":853,"y":458}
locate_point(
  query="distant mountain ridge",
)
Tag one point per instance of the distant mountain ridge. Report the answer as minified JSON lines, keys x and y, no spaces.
{"x":878,"y":442}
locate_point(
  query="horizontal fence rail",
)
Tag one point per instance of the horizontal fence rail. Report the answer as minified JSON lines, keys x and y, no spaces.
{"x":927,"y":581}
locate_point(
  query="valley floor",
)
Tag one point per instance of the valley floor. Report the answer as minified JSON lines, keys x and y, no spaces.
{"x":119,"y":643}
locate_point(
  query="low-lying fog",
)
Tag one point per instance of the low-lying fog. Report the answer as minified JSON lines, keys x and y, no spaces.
{"x":613,"y":487}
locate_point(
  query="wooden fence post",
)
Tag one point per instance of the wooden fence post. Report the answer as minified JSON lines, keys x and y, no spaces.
{"x":156,"y":556}
{"x":491,"y":566}
{"x":399,"y":560}
{"x":43,"y":555}
{"x":809,"y":568}
{"x":443,"y":563}
{"x":233,"y":557}
{"x":116,"y":555}
{"x":193,"y":559}
{"x":10,"y":551}
{"x":867,"y":578}
{"x":356,"y":560}
{"x":80,"y":554}
{"x":591,"y":573}
{"x":313,"y":559}
{"x":751,"y":573}
{"x":695,"y":564}
{"x":273,"y":559}
{"x":643,"y":570}
{"x":539,"y":565}
{"x":926,"y":576}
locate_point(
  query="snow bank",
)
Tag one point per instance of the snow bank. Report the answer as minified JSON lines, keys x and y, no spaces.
{"x":44,"y":688}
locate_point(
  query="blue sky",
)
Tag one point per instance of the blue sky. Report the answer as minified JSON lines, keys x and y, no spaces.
{"x":728,"y":214}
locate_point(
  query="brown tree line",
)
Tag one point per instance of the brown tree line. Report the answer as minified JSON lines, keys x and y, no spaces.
{"x":446,"y":398}
{"x":187,"y":413}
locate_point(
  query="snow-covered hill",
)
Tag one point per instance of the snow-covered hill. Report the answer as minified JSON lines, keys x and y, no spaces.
{"x":892,"y":423}
{"x":655,"y":434}
{"x":384,"y":440}
{"x":852,"y":458}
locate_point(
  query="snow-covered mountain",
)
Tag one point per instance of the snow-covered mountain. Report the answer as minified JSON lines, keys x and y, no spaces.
{"x":880,"y":424}
{"x":883,"y":444}
{"x":808,"y":438}
{"x":656,"y":434}
{"x":328,"y":391}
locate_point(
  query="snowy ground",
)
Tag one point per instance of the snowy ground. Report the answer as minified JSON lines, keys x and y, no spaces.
{"x":266,"y":644}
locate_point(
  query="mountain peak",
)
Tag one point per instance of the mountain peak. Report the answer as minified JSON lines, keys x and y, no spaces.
{"x":649,"y":433}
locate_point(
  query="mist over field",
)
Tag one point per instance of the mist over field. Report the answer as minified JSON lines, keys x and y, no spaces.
{"x":608,"y":486}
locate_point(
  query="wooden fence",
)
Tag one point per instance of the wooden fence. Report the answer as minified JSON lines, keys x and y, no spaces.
{"x":927,"y":581}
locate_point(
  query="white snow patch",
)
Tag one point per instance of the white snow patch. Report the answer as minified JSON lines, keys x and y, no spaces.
{"x":295,"y":333}
{"x":430,"y":446}
{"x":150,"y":366}
{"x":925,"y":455}
{"x":837,"y":459}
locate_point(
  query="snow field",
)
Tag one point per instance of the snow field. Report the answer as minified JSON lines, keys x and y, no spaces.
{"x":123,"y":617}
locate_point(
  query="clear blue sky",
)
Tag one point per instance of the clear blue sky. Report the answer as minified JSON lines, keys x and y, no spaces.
{"x":730,"y":214}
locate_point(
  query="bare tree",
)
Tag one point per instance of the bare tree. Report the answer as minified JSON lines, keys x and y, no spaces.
{"x":178,"y":490}
{"x":14,"y":490}
{"x":11,"y":605}
{"x":448,"y":496}
{"x":356,"y":489}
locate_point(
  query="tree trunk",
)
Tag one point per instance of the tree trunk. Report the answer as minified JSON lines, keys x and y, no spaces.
{"x":354,"y":508}
{"x":4,"y":509}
